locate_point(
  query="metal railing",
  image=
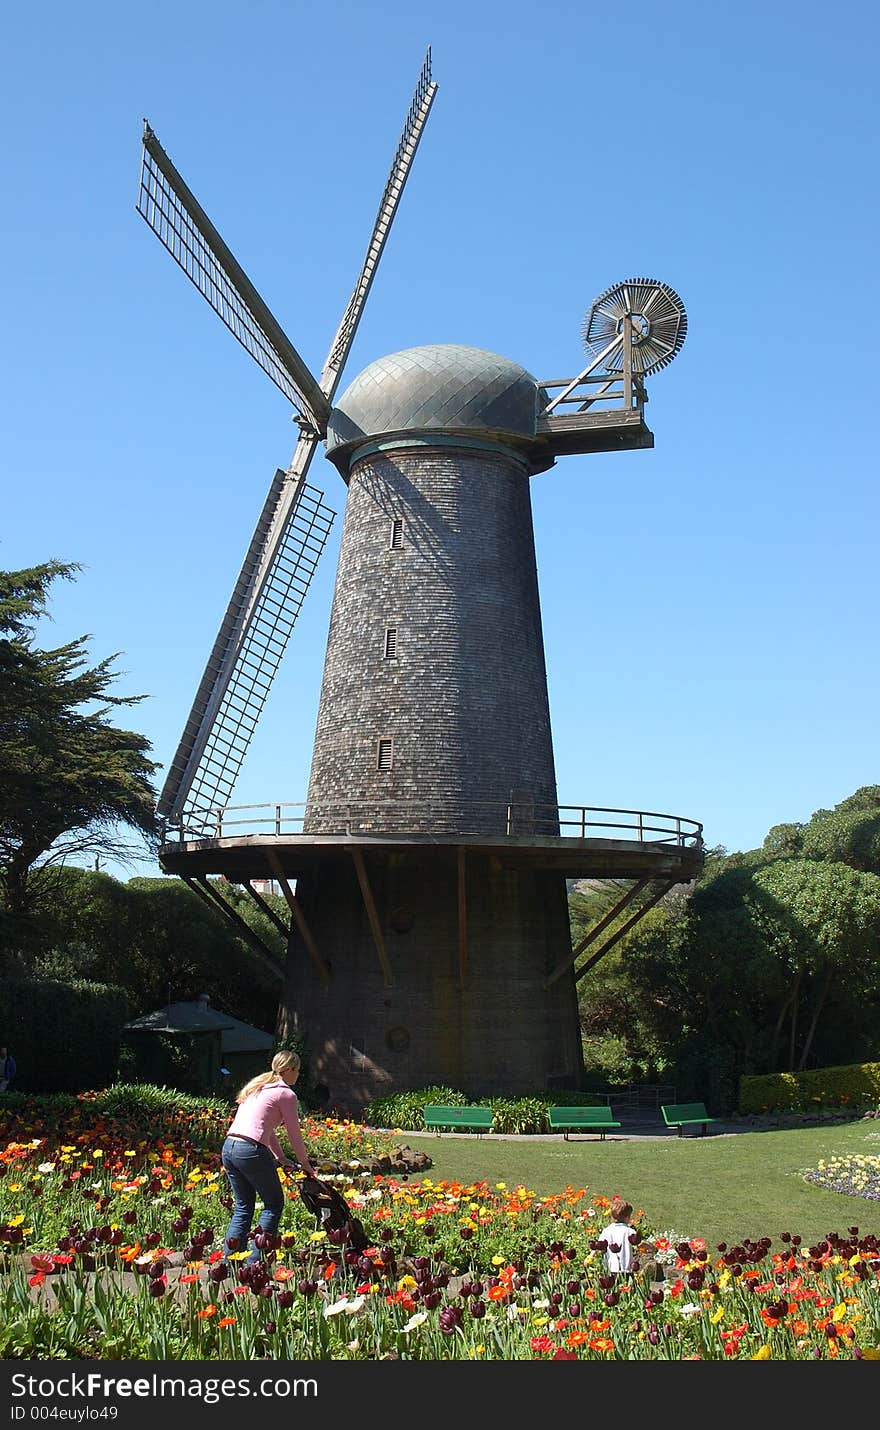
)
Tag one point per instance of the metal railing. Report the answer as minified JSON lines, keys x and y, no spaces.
{"x":508,"y":820}
{"x":604,"y":390}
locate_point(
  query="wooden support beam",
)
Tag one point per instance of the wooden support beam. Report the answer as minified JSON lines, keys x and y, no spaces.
{"x":294,"y":905}
{"x":462,"y":918}
{"x":202,"y":885}
{"x":266,"y":908}
{"x":606,"y":948}
{"x":596,"y":930}
{"x":372,"y":915}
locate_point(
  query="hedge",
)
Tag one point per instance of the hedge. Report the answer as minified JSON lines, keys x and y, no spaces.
{"x":852,"y":1085}
{"x":64,"y":1036}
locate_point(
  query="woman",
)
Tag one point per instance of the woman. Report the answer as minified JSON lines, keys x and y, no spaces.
{"x":252,"y":1153}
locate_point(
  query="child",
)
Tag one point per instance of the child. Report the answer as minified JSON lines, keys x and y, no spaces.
{"x":617,"y":1237}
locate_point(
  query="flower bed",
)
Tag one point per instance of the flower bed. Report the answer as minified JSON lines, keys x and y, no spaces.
{"x":112,"y":1239}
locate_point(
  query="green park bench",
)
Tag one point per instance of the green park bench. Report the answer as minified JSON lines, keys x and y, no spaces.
{"x":587,"y":1119}
{"x":478,"y":1119}
{"x":686,"y":1114}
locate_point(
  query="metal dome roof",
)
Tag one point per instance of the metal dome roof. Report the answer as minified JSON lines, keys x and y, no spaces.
{"x":443,"y":386}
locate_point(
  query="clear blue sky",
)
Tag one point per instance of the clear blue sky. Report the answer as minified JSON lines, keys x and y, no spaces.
{"x":709,"y":607}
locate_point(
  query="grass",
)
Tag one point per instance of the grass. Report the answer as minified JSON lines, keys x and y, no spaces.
{"x":721,"y":1188}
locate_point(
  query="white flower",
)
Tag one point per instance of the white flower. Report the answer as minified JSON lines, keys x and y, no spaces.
{"x":336,"y":1306}
{"x":354,"y":1306}
{"x":540,"y":1305}
{"x":416,"y":1320}
{"x":46,"y":1167}
{"x":690,"y":1310}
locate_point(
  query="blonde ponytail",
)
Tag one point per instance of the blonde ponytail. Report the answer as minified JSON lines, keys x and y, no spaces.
{"x":282,"y":1062}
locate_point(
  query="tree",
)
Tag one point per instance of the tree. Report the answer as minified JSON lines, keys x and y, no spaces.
{"x":70,"y":780}
{"x":152,"y":935}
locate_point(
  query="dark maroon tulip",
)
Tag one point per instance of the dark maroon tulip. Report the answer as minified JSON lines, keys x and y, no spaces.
{"x":285,"y":1299}
{"x":466,"y":1233}
{"x":234,"y":1243}
{"x":574,"y":1308}
{"x":654,"y":1336}
{"x":157,"y":1268}
{"x":156,"y":1288}
{"x":152,"y":1238}
{"x":270,"y":1327}
{"x":129,"y":1218}
{"x":611,"y":1298}
{"x":477,"y":1309}
{"x":179,"y":1226}
{"x":218,"y":1272}
{"x":306,"y":1288}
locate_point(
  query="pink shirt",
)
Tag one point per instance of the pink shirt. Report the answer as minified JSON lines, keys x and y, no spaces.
{"x":269,"y":1107}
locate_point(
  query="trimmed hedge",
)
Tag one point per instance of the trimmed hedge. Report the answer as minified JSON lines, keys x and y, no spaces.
{"x":852,"y":1085}
{"x":64,"y":1036}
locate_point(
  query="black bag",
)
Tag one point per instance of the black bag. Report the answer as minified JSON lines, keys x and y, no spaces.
{"x":332,"y":1213}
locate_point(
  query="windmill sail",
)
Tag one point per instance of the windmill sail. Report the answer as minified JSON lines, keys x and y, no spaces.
{"x":253,"y":636}
{"x":183,"y":227}
{"x":294,"y":523}
{"x":416,"y":119}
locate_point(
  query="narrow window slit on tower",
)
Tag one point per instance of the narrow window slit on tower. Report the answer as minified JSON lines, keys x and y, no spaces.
{"x":391,"y":643}
{"x":385,"y":756}
{"x":396,"y":533}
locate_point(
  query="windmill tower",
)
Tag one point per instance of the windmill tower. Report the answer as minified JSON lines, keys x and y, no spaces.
{"x":426,"y":872}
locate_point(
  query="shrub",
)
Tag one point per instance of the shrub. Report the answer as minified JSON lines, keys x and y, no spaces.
{"x":63,"y":1035}
{"x":853,"y":1085}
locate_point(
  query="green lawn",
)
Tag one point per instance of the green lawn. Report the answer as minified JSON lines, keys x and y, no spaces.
{"x":721,"y":1188}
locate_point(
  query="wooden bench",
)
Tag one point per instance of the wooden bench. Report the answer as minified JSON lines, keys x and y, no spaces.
{"x":686,"y":1114}
{"x":589,"y":1119}
{"x":478,"y":1119}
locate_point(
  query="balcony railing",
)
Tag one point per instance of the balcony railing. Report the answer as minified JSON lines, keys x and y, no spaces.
{"x":510,"y":820}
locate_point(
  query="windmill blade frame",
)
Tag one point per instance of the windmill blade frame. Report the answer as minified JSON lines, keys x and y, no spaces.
{"x":180,"y":223}
{"x":288,"y":540}
{"x":414,"y":125}
{"x":258,"y":622}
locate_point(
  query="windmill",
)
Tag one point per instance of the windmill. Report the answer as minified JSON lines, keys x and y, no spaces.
{"x":426,"y":871}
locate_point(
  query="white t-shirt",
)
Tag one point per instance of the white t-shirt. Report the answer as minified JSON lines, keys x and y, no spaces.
{"x":618,"y":1234}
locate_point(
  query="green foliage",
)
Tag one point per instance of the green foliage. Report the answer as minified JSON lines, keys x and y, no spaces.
{"x":63,"y":1035}
{"x":69,"y":778}
{"x":521,"y":1115}
{"x":155,"y":934}
{"x":404,"y":1109}
{"x":850,"y":1085}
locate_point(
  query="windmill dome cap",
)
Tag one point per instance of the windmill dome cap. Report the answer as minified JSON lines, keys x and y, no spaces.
{"x":441,"y":387}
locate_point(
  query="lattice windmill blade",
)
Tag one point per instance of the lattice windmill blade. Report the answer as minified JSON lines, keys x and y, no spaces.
{"x":288,"y":540}
{"x":183,"y":227}
{"x":659,"y":325}
{"x":416,"y":119}
{"x":294,"y":523}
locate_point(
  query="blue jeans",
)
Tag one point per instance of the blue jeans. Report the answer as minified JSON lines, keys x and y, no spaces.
{"x":252,"y":1173}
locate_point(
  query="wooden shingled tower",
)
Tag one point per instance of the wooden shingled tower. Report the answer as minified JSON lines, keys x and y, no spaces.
{"x":425,"y":873}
